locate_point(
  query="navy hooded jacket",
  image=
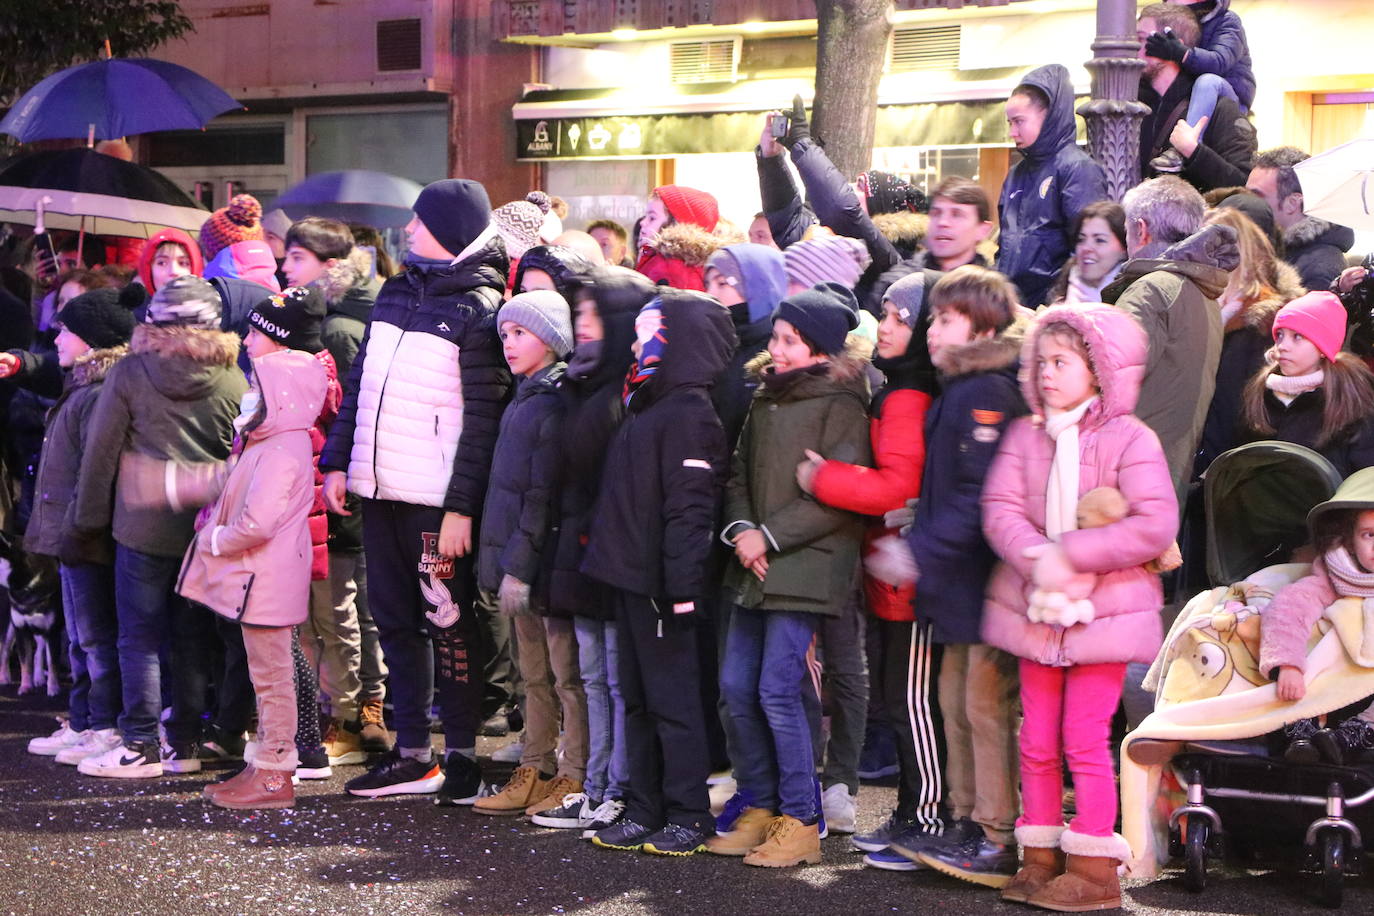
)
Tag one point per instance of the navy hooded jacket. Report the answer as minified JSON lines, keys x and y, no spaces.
{"x":1044,"y":193}
{"x":1224,"y":52}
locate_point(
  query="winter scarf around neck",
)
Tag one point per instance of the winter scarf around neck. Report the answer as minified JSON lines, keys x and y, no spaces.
{"x":1349,"y":579}
{"x":585,"y":359}
{"x":1061,"y":495}
{"x":1288,"y":387}
{"x":1081,"y":290}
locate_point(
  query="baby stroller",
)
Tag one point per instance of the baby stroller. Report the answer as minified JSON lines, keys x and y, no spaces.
{"x":1242,"y":803}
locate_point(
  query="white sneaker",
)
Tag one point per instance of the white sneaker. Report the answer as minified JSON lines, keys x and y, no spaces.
{"x":511,"y":753}
{"x":60,"y":740}
{"x":123,"y":762}
{"x":840,"y":808}
{"x":93,"y":741}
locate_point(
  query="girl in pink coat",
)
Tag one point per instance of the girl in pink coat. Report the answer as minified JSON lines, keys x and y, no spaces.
{"x":251,"y":563}
{"x":1081,"y":369}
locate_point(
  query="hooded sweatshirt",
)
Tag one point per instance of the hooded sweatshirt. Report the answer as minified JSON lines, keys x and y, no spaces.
{"x":764,"y":282}
{"x":1044,"y":192}
{"x":145,"y":260}
{"x":1115,"y":450}
{"x":251,"y":561}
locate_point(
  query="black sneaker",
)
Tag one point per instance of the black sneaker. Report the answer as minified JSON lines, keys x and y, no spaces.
{"x":878,"y":840}
{"x":575,"y":811}
{"x":313,"y":763}
{"x":180,"y":756}
{"x":222,"y":745}
{"x":916,"y":839}
{"x":978,"y":860}
{"x":675,"y":840}
{"x":624,"y":834}
{"x":463,"y":783}
{"x":607,"y":814}
{"x":397,"y":775}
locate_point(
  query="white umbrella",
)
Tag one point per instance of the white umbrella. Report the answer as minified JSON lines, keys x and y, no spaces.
{"x":97,"y":214}
{"x":1338,"y":185}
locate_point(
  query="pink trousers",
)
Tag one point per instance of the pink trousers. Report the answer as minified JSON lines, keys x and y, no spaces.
{"x":1068,"y":716}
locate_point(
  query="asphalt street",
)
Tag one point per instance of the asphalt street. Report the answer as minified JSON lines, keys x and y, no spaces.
{"x":74,"y":844}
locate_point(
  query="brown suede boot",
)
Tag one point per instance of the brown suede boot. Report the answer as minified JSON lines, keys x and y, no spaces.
{"x":1090,"y":883}
{"x":373,"y":737}
{"x":788,"y":842}
{"x":255,"y":788}
{"x":751,"y":828}
{"x":526,"y":787}
{"x":1038,"y":868}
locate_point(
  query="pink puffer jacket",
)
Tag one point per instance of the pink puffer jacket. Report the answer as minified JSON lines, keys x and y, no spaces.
{"x":251,"y":561}
{"x":1116,"y":450}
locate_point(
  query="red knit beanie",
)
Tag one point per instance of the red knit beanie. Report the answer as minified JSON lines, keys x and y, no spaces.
{"x":1318,"y":316}
{"x":241,"y":221}
{"x":688,"y":205}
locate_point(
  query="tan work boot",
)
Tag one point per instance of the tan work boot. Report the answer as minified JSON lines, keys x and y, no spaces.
{"x":342,"y":744}
{"x":1089,"y":883}
{"x":374,"y":738}
{"x":524,"y":789}
{"x":255,"y":788}
{"x":788,"y":842}
{"x":1038,"y":868}
{"x":558,"y":787}
{"x":750,"y":830}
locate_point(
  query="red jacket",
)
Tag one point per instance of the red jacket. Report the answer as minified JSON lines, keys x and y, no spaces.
{"x":319,"y":518}
{"x":677,"y":257}
{"x":899,"y":453}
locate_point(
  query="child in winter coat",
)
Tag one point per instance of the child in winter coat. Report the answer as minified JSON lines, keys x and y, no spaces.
{"x":414,"y":439}
{"x":517,"y":522}
{"x":1313,"y":393}
{"x":168,"y":254}
{"x":251,"y":563}
{"x":797,"y":561}
{"x":94,"y":335}
{"x":675,"y":237}
{"x":1343,"y":530}
{"x":173,"y":398}
{"x":649,"y":542}
{"x":590,"y":396}
{"x":1081,"y":372}
{"x":960,"y":704}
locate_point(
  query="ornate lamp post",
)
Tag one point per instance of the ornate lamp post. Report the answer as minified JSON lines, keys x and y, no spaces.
{"x":1113,"y":114}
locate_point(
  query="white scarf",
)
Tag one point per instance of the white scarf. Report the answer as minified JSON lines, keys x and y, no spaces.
{"x":1080,"y":290}
{"x":1061,"y":496}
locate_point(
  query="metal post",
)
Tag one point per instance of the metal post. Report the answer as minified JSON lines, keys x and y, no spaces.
{"x":1114,"y":114}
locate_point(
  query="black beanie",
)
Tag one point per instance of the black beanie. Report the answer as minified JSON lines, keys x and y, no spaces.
{"x":823,"y":314}
{"x":99,"y":318}
{"x":455,"y":211}
{"x":292,"y":318}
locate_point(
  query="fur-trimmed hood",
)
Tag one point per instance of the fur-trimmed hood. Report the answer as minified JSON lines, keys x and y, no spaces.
{"x":184,"y":363}
{"x":990,"y":354}
{"x":1206,"y":257}
{"x":1259,"y":315}
{"x":93,"y":365}
{"x":1311,"y":229}
{"x":1117,"y":348}
{"x":346,"y":273}
{"x":687,"y":243}
{"x":849,"y":365}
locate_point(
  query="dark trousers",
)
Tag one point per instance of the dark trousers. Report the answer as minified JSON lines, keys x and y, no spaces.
{"x":236,"y":699}
{"x":425,"y":612}
{"x":911,"y":672}
{"x":665,"y":729}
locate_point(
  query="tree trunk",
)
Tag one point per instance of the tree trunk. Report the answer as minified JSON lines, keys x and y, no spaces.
{"x":852,"y":38}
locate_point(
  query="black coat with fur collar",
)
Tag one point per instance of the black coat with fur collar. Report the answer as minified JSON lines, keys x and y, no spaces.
{"x":173,"y":398}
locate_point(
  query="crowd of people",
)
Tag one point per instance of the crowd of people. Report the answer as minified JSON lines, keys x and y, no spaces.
{"x":666,"y":501}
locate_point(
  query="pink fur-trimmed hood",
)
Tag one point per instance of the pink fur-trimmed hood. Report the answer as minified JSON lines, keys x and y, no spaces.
{"x":1117,"y":351}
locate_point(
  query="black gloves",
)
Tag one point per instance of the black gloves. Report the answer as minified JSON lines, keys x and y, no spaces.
{"x":1165,"y":45}
{"x":798,"y":129}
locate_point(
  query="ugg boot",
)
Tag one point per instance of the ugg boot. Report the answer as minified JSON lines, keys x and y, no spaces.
{"x":1089,"y":881}
{"x":1041,"y":861}
{"x":525,"y":788}
{"x":750,"y":830}
{"x":788,"y":842}
{"x":255,"y":788}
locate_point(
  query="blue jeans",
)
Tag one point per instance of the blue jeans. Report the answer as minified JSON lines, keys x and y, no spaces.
{"x":88,"y":600}
{"x":1207,"y":89}
{"x":599,"y":658}
{"x":149,"y":612}
{"x":761,"y":680}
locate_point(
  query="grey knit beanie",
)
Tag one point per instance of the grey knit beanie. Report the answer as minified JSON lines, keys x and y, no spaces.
{"x":543,"y":313}
{"x":188,"y":301}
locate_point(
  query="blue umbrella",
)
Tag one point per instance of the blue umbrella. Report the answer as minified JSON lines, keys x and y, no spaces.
{"x":116,"y":98}
{"x":354,"y":196}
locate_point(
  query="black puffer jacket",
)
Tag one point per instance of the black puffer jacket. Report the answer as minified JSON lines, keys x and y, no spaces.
{"x":665,"y":468}
{"x":591,"y":394}
{"x":563,"y":265}
{"x":1317,"y":250}
{"x":1045,"y":192}
{"x":1300,"y":422}
{"x":522,"y":494}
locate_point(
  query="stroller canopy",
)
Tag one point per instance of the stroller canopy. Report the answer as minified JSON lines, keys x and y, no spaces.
{"x":1257,"y":498}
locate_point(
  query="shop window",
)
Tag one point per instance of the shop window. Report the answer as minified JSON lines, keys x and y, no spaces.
{"x":413,"y":144}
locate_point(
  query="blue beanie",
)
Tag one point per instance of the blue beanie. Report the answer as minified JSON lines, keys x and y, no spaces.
{"x":455,"y":211}
{"x":823,"y":314}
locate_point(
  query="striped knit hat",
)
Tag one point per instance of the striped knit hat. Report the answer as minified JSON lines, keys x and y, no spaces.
{"x":241,"y":221}
{"x":833,"y":258}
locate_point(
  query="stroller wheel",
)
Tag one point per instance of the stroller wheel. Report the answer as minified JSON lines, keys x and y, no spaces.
{"x":1332,"y":877}
{"x":1195,"y":854}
